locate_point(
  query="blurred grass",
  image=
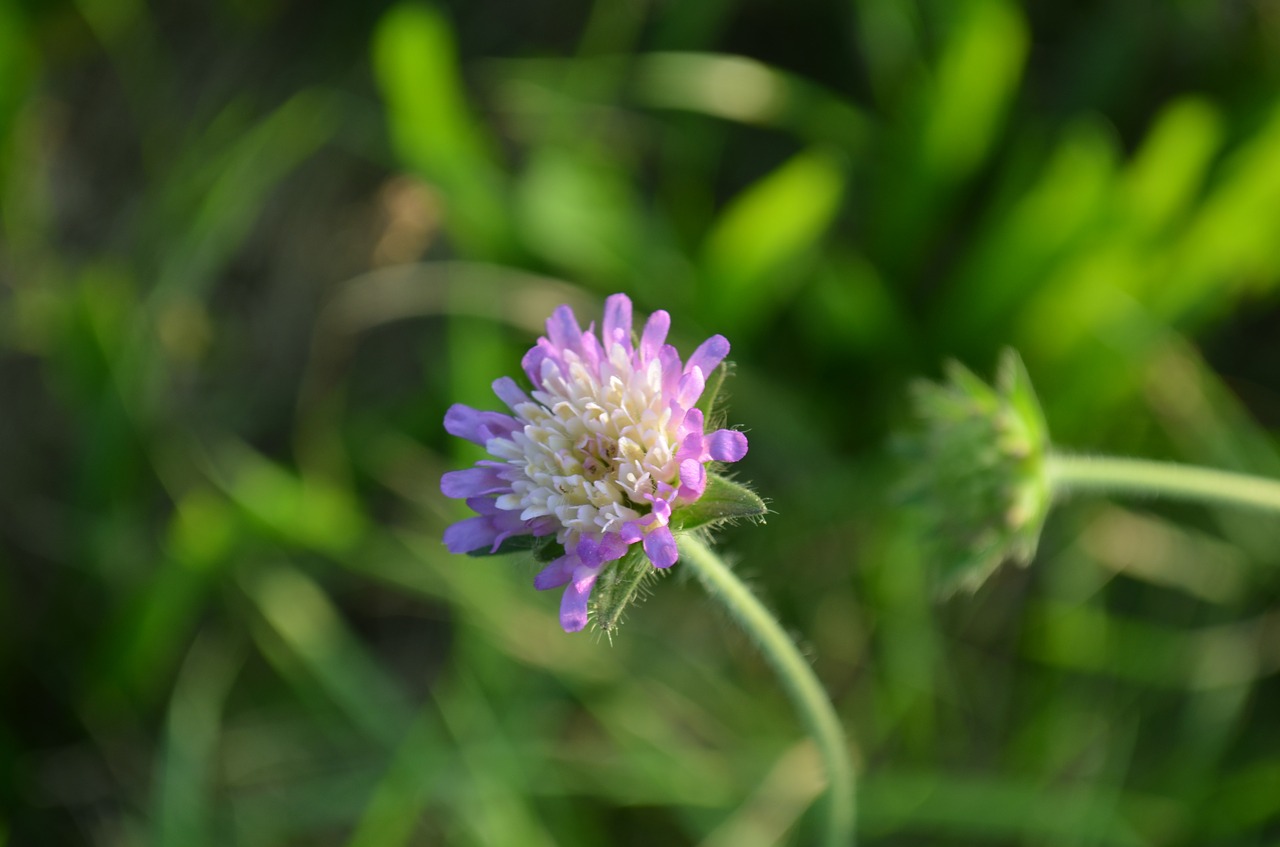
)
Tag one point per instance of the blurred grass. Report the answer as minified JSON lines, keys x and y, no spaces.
{"x":250,"y":254}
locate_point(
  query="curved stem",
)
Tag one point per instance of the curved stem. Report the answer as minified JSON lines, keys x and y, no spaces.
{"x":1166,"y":479}
{"x":797,"y":677}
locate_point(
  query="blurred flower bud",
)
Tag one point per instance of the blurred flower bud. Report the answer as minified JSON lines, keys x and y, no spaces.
{"x":978,"y":474}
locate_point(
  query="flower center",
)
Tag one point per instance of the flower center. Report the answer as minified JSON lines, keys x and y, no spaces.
{"x":595,"y":444}
{"x":599,"y":452}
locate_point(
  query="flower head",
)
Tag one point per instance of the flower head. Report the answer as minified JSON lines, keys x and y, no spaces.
{"x":980,"y":477}
{"x":600,"y":455}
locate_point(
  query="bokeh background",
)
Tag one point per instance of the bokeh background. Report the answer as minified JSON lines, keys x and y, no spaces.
{"x":251,"y":250}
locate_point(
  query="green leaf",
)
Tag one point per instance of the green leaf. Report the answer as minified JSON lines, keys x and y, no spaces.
{"x":723,"y":500}
{"x":310,"y":512}
{"x":1015,"y":384}
{"x":753,"y":253}
{"x":713,"y":393}
{"x":620,"y":585}
{"x":579,"y":210}
{"x":432,"y":124}
{"x":975,"y":83}
{"x":233,"y":188}
{"x":1168,"y":171}
{"x":547,"y":549}
{"x":313,"y":647}
{"x":544,"y":548}
{"x":514,"y":544}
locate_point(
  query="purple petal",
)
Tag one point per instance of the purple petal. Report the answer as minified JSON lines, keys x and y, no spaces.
{"x":617,"y":322}
{"x":660,"y":547}
{"x":505,"y":523}
{"x":470,"y":534}
{"x":573,"y":605}
{"x":477,"y":426}
{"x":532,"y":365}
{"x":709,"y":354}
{"x":631,"y":532}
{"x":655,"y":333}
{"x":595,"y":553}
{"x":462,"y":421}
{"x":694,"y":447}
{"x":691,"y":386}
{"x":556,"y":574}
{"x":586,"y":551}
{"x":553,"y":367}
{"x":473,"y":482}
{"x":693,"y":479}
{"x":672,"y":369}
{"x":691,"y":425}
{"x":510,"y":393}
{"x":486,"y":506}
{"x":563,"y":330}
{"x":692,"y":444}
{"x":727,"y":445}
{"x":592,"y":352}
{"x":613,"y":548}
{"x":538,"y":527}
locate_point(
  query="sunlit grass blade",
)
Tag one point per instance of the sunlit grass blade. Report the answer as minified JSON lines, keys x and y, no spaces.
{"x":187,"y":786}
{"x":432,"y":125}
{"x":752,"y":255}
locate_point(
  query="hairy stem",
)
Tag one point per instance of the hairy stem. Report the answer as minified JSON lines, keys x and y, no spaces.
{"x":1105,"y":474}
{"x":797,"y":678}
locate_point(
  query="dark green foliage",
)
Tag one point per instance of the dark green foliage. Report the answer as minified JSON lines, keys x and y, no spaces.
{"x":515,"y":544}
{"x":250,"y":252}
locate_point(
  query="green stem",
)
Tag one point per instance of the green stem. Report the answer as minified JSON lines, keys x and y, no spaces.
{"x":797,"y":678}
{"x":1140,"y":476}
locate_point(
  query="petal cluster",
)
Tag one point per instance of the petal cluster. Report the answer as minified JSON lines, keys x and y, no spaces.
{"x":598,"y":454}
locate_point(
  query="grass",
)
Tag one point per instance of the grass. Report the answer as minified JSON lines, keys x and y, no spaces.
{"x":250,"y":255}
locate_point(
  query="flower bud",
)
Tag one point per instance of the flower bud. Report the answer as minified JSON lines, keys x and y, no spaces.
{"x":978,"y":474}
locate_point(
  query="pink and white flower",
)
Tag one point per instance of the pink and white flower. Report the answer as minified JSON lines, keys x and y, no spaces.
{"x":598,"y":454}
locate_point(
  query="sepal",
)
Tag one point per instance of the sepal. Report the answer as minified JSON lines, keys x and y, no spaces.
{"x":620,"y":584}
{"x":713,"y":393}
{"x":547,"y":549}
{"x":514,"y":544}
{"x":723,"y":500}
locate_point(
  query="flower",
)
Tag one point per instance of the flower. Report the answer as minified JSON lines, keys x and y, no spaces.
{"x":979,"y":477}
{"x":598,"y":455}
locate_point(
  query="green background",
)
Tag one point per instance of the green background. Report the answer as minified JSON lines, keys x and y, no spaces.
{"x":251,"y":251}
